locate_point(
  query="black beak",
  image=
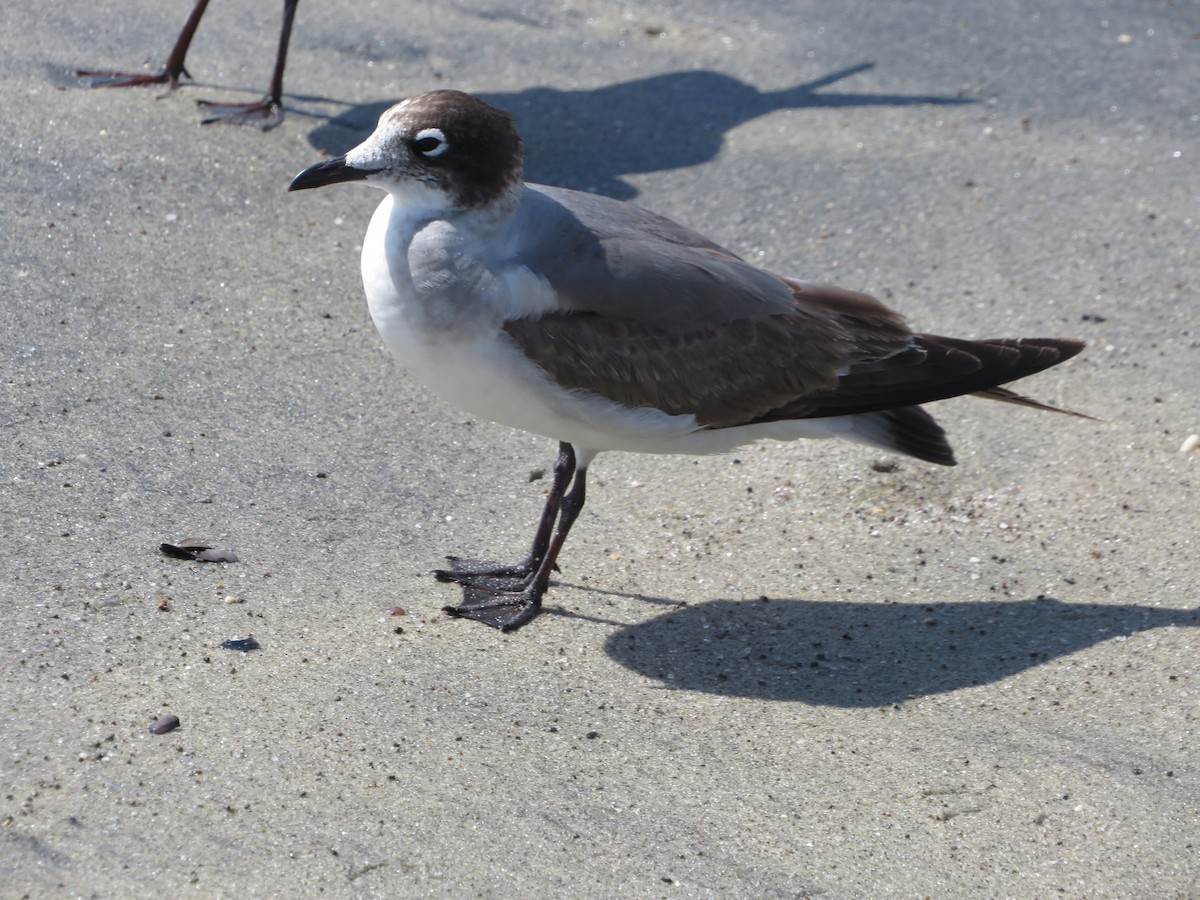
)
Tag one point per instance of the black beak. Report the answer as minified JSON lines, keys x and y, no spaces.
{"x":329,"y":172}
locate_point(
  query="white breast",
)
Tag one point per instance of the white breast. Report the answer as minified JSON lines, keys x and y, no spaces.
{"x":464,"y":356}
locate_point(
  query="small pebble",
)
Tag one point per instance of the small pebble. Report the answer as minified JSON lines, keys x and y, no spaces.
{"x":230,"y":598}
{"x":163,"y":724}
{"x":1190,"y":443}
{"x":396,"y":611}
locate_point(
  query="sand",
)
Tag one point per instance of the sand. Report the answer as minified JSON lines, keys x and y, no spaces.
{"x":796,"y":670}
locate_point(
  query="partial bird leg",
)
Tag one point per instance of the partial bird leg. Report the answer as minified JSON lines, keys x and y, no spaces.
{"x":512,"y":576}
{"x":509,"y":609}
{"x":172,"y":70}
{"x":267,"y":112}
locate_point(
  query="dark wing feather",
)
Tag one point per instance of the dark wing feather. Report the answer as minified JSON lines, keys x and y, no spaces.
{"x":949,"y":367}
{"x":725,"y":375}
{"x":721,"y":375}
{"x":836,"y":353}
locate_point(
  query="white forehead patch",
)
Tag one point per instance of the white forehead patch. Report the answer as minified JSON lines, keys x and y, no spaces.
{"x":431,"y":142}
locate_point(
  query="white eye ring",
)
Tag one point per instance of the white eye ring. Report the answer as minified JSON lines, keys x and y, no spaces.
{"x":431,"y":142}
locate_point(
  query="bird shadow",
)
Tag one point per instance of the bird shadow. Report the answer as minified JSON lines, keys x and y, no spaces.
{"x":593,"y":139}
{"x":833,"y":653}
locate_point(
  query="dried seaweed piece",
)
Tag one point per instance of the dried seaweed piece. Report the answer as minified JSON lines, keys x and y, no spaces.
{"x":241,"y":645}
{"x":198,"y":550}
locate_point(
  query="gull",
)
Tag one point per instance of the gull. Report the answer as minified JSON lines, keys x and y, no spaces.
{"x":606,"y":327}
{"x":265,"y":113}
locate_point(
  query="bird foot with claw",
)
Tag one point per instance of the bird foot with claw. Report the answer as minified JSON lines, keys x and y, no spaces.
{"x":507,"y":610}
{"x":97,"y":79}
{"x":264,"y":114}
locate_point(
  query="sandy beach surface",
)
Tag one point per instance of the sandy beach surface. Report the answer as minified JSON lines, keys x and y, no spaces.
{"x":793,"y":671}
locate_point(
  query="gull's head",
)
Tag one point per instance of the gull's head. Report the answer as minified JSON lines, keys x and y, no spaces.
{"x":441,"y":150}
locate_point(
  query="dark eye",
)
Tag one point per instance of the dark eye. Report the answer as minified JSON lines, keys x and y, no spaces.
{"x":430,"y":142}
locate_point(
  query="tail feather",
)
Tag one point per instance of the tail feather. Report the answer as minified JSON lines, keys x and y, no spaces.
{"x":908,"y":430}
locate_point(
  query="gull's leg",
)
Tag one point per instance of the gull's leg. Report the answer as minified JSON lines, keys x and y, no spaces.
{"x":512,"y":576}
{"x":267,"y":112}
{"x":509,"y":609}
{"x":172,"y":70}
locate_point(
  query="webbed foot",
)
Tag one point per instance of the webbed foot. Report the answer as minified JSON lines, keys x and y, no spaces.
{"x":507,"y":610}
{"x":265,"y":113}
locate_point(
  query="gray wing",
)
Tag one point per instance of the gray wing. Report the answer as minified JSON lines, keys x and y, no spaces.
{"x":616,"y":259}
{"x":658,"y":316}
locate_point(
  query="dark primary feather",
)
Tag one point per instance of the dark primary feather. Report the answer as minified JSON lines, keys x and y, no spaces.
{"x":950,"y":367}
